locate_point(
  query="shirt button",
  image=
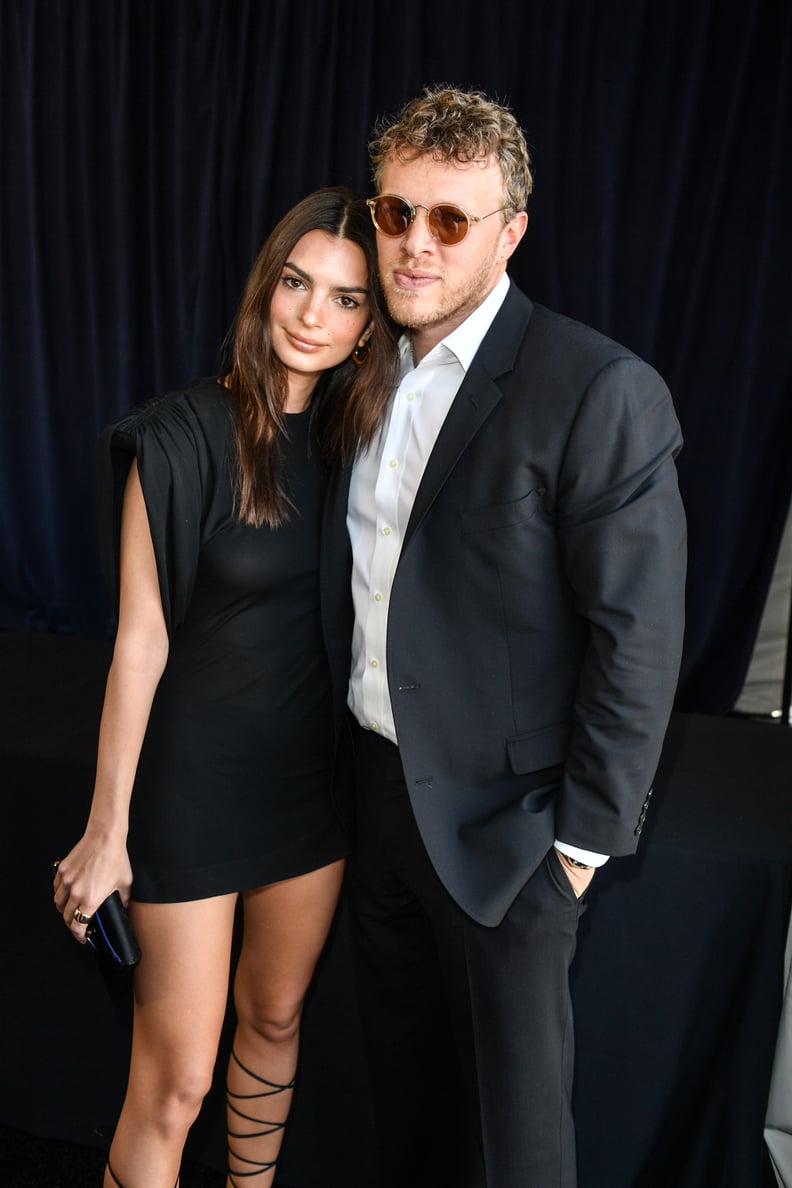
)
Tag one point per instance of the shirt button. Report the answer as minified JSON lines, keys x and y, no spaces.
{"x":393,"y":463}
{"x":386,"y":531}
{"x":375,"y":663}
{"x":411,"y":395}
{"x":378,"y":597}
{"x":374,"y":725}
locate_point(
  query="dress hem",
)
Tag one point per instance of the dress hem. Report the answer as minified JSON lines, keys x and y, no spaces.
{"x":206,"y":883}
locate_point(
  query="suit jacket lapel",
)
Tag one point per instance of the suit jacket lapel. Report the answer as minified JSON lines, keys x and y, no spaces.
{"x":478,"y":395}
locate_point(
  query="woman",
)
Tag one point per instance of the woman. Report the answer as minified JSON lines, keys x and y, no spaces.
{"x":222,"y":710}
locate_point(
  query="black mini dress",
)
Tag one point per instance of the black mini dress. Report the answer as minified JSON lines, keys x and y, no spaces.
{"x":233,"y":785}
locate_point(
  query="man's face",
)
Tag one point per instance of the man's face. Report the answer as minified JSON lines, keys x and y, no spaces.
{"x":430,"y":287}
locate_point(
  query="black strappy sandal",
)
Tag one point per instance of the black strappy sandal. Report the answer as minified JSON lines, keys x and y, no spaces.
{"x":113,"y":1176}
{"x":116,"y":1180}
{"x":272,"y":1090}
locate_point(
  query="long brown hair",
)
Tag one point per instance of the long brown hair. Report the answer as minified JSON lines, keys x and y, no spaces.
{"x":349,"y":401}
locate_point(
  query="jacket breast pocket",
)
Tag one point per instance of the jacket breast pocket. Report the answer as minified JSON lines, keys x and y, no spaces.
{"x":503,"y":515}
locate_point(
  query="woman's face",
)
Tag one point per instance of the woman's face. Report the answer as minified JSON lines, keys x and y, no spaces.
{"x":319,"y":311}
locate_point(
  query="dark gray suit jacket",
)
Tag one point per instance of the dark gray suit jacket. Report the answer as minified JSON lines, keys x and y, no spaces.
{"x":536,"y":616}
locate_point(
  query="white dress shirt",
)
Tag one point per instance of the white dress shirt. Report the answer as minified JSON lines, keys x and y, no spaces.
{"x":392,"y":468}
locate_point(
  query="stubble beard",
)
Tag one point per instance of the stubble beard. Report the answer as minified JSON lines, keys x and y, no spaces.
{"x":454,"y":302}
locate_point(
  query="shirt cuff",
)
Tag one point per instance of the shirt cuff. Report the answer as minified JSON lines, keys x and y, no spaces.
{"x":590,"y":857}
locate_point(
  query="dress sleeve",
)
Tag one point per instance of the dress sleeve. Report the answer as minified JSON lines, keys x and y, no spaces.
{"x":174,"y":467}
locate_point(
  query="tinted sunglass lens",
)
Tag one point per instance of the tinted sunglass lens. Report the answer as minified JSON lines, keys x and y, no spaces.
{"x":449,"y":223}
{"x":393,"y":216}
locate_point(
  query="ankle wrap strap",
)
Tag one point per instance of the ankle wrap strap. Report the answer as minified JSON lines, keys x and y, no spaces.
{"x":274,"y":1087}
{"x":113,"y":1176}
{"x":116,"y":1180}
{"x":272,"y":1090}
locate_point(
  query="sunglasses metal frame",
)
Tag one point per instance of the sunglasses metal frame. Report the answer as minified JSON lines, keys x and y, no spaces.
{"x":371,"y":203}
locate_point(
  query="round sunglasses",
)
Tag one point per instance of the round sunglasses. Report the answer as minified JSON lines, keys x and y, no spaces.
{"x":448,"y":223}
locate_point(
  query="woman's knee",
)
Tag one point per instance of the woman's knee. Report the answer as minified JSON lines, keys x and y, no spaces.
{"x":188,"y":1092}
{"x":275,"y":1022}
{"x":172,"y":1095}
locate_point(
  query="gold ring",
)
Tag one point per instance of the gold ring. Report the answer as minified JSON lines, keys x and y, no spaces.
{"x":80,"y":916}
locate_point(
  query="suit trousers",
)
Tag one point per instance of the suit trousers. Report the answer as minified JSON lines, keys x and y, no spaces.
{"x":467,"y":1029}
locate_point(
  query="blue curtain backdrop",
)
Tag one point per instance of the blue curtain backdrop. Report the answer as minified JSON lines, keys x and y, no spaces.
{"x":147,"y":146}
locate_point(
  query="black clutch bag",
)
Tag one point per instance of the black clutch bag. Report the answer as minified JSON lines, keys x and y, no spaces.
{"x":112,"y":939}
{"x":111,"y":936}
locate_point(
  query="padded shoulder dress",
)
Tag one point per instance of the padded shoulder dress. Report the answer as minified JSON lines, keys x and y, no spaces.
{"x":233,"y":785}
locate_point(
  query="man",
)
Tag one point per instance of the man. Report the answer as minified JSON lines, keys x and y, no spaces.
{"x":518,"y":545}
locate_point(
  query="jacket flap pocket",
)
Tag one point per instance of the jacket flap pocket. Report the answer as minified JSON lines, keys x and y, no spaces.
{"x":502,"y":515}
{"x":539,"y":749}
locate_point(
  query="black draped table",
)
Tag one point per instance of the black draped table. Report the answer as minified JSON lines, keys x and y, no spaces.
{"x":677,"y":983}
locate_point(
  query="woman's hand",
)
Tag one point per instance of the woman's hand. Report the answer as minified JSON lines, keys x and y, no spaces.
{"x":86,"y":876}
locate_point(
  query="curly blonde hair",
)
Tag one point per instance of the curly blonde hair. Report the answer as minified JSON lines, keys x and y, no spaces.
{"x":454,"y":125}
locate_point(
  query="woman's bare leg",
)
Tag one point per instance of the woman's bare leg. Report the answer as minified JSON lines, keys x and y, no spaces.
{"x":286,"y":925}
{"x":181,"y":990}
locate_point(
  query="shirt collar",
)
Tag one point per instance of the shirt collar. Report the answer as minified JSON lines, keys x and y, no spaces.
{"x":466,"y":339}
{"x":463,"y":342}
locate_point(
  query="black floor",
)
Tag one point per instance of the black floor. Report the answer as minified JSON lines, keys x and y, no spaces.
{"x":27,"y":1162}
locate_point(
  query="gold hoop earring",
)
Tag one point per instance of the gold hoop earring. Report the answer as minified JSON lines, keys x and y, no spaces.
{"x":360,"y":353}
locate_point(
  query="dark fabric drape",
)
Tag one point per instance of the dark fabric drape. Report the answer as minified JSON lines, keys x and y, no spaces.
{"x":147,"y":146}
